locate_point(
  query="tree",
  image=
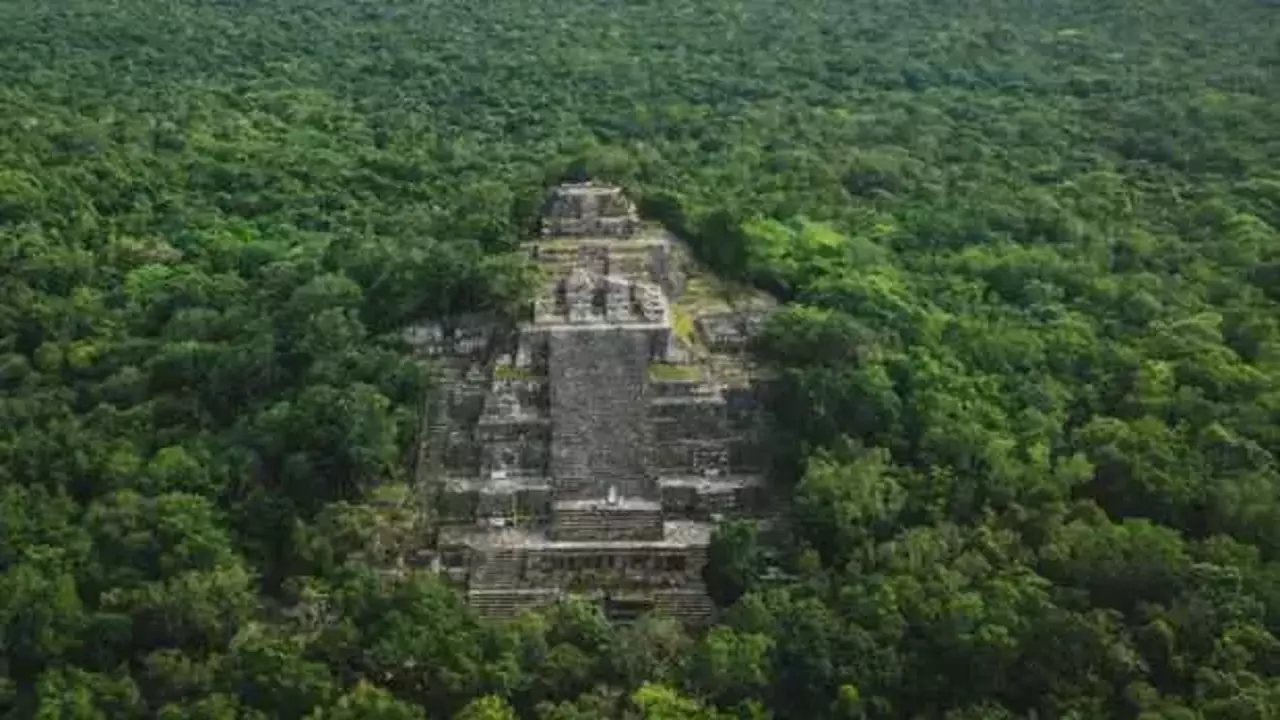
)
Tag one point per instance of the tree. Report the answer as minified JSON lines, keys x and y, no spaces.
{"x":659,"y":702}
{"x":41,"y":613}
{"x":1120,"y":565}
{"x":74,"y":694}
{"x":735,"y":561}
{"x":649,"y":649}
{"x":842,"y":503}
{"x":367,"y":702}
{"x":488,"y":707}
{"x":730,"y":667}
{"x":168,"y":564}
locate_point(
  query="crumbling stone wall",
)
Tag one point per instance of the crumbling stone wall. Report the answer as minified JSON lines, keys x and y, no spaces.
{"x":695,"y":418}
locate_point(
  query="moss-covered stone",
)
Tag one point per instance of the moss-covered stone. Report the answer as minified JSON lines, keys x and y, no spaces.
{"x":668,"y":372}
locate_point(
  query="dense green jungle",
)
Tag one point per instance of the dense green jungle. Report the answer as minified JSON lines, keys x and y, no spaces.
{"x":1029,"y":252}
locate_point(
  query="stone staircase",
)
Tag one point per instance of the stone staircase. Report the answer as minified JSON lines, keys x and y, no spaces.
{"x":580,"y":522}
{"x":501,"y":570}
{"x":599,"y":436}
{"x":433,"y":438}
{"x":688,"y":604}
{"x":503,"y":604}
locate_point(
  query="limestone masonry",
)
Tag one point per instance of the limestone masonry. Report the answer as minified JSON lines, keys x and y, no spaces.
{"x":590,"y":449}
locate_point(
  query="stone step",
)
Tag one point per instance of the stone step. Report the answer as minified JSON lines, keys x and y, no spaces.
{"x":500,"y":570}
{"x":572,"y":524}
{"x":690,"y":605}
{"x":507,"y":603}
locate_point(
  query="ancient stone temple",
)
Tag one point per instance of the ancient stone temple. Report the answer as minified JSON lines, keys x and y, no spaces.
{"x":590,"y":449}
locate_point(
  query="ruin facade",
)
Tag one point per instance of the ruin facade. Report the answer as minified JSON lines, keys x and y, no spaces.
{"x":590,"y":448}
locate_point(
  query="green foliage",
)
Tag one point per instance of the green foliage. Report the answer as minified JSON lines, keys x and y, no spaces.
{"x":1028,"y":369}
{"x":73,"y":694}
{"x":735,"y":561}
{"x":658,"y":702}
{"x":489,"y":707}
{"x":845,"y":505}
{"x":729,"y":666}
{"x":367,"y":702}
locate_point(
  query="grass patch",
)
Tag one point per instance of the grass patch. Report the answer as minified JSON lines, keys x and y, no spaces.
{"x":511,"y":372}
{"x":682,"y":324}
{"x":675,"y":373}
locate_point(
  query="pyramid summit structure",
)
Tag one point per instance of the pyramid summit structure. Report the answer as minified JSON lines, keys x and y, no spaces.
{"x":590,"y":448}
